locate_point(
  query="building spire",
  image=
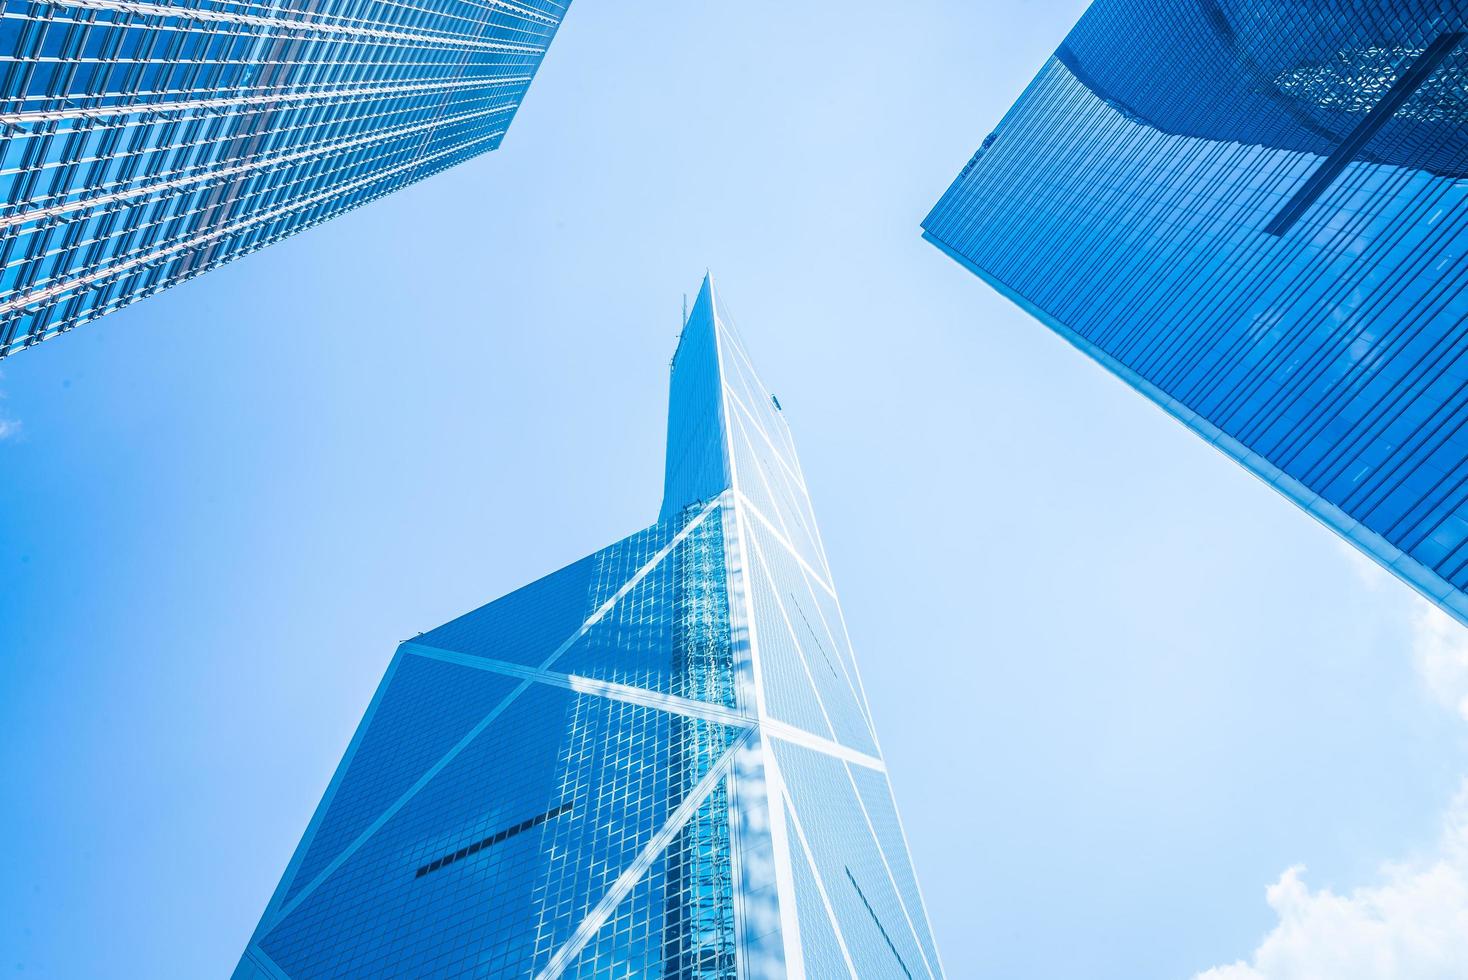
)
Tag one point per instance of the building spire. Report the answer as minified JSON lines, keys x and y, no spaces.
{"x":697,"y":467}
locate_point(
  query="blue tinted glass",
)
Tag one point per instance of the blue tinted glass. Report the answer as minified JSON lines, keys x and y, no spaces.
{"x":144,"y":146}
{"x":657,"y":761}
{"x":1256,"y":214}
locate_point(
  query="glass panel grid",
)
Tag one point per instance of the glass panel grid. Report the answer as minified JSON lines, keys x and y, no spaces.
{"x":551,"y":782}
{"x":148,"y":142}
{"x":1130,"y":196}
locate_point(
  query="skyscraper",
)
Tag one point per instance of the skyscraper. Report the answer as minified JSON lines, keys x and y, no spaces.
{"x":1256,"y":214}
{"x":145,"y":142}
{"x":657,"y":761}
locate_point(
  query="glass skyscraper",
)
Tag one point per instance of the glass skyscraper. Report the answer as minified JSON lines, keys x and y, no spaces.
{"x":147,"y":142}
{"x":1256,"y":214}
{"x":655,"y":762}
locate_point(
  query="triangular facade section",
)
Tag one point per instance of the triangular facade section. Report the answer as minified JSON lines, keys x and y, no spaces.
{"x":657,"y":761}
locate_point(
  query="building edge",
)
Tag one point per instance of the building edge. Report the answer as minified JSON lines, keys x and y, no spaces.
{"x":1426,"y":582}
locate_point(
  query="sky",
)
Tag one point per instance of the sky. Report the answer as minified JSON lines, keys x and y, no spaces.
{"x":1143,"y":717}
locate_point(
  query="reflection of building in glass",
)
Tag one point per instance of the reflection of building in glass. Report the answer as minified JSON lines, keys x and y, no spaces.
{"x":655,"y":762}
{"x":1293,"y":76}
{"x":1255,"y":214}
{"x":146,"y":142}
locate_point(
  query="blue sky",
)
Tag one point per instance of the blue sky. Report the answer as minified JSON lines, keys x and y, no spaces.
{"x":1122,"y":686}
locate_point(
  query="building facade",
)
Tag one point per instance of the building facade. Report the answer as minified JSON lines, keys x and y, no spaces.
{"x":655,"y":762}
{"x":1256,"y":214}
{"x":147,"y":142}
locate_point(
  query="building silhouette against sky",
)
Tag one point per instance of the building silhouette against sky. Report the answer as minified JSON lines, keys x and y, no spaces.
{"x":1254,"y":213}
{"x":657,"y":761}
{"x":144,"y":143}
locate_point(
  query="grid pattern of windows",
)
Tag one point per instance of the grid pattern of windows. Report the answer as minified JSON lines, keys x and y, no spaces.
{"x":147,"y":142}
{"x":479,"y":819}
{"x":399,"y":746}
{"x":479,"y":845}
{"x":838,"y":817}
{"x":809,"y":675}
{"x":1256,"y":214}
{"x":878,"y":925}
{"x":623,"y":769}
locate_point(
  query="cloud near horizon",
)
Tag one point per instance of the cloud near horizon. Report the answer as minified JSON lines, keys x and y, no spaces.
{"x":1440,"y":649}
{"x":1413,"y":921}
{"x":1410,"y":924}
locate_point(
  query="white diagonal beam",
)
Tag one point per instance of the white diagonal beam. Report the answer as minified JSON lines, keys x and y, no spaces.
{"x":774,"y":450}
{"x":639,"y":867}
{"x":815,"y":874}
{"x":775,"y":497}
{"x":820,"y":580}
{"x":264,"y":963}
{"x":737,"y":345}
{"x":887,"y":866}
{"x":790,"y":630}
{"x":843,"y":652}
{"x":799,"y":646}
{"x":582,"y":684}
{"x":485,"y":722}
{"x":795,"y":495}
{"x":786,"y":732}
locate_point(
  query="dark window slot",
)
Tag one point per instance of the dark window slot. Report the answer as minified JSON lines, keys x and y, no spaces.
{"x":819,"y":646}
{"x":872,"y":912}
{"x":1330,"y":168}
{"x":494,"y":839}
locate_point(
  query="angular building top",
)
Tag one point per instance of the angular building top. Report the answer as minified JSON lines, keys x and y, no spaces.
{"x":1256,"y":214}
{"x":655,"y":762}
{"x":145,"y":143}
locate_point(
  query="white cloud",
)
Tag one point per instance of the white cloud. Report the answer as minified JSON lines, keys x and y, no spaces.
{"x":1439,"y":643}
{"x":1413,"y":922}
{"x":1440,"y":649}
{"x":1366,"y":570}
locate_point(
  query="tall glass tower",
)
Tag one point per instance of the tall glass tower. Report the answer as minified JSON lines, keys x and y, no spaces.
{"x":1256,"y":214}
{"x":655,"y":762}
{"x":146,"y":142}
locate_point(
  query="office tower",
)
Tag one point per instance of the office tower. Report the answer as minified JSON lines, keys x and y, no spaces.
{"x":1254,"y":213}
{"x":146,"y":142}
{"x":655,"y":762}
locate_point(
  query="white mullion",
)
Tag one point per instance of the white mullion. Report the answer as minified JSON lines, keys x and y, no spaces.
{"x":170,"y":12}
{"x":150,"y":108}
{"x":810,"y":861}
{"x":629,"y":878}
{"x":886,"y":866}
{"x":484,"y":723}
{"x":789,"y":440}
{"x":581,"y":684}
{"x":785,"y":542}
{"x":799,"y":652}
{"x":843,"y":654}
{"x":71,"y":285}
{"x":779,"y":833}
{"x":785,"y":732}
{"x":797,"y":493}
{"x":770,"y":494}
{"x":390,"y":134}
